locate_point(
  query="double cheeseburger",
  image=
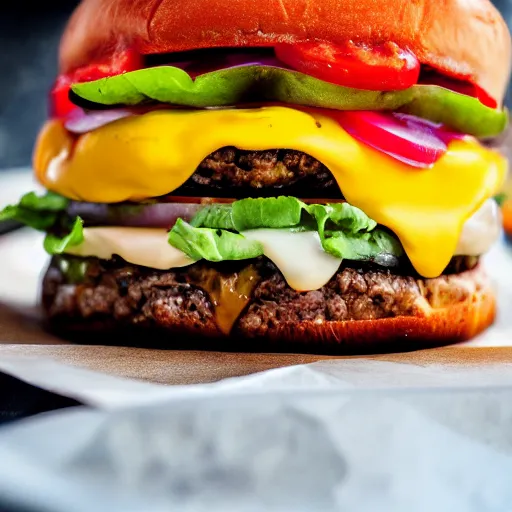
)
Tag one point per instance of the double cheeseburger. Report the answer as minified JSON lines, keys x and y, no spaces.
{"x":300,"y":173}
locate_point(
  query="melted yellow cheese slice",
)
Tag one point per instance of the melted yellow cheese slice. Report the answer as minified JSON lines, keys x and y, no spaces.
{"x":153,"y":154}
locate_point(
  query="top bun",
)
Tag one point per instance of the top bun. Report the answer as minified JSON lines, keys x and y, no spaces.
{"x":466,"y":39}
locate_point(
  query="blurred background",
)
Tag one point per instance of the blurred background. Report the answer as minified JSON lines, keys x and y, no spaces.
{"x":29,"y":38}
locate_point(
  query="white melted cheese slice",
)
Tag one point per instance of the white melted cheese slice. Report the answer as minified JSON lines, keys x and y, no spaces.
{"x":299,"y":257}
{"x":147,"y":247}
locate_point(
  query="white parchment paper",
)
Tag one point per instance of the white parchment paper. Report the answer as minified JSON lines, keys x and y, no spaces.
{"x":109,"y":392}
{"x":338,"y":435}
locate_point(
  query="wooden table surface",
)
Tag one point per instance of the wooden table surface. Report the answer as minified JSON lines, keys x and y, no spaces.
{"x":22,"y":335}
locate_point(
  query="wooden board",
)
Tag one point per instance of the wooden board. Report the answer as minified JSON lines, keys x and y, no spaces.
{"x":22,"y":335}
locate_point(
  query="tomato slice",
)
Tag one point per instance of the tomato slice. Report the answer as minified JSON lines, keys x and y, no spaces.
{"x":379,"y":67}
{"x":60,"y":106}
{"x":120,"y":62}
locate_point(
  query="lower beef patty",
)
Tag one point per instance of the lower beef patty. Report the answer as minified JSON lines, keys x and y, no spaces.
{"x":83,"y":293}
{"x":231,"y":171}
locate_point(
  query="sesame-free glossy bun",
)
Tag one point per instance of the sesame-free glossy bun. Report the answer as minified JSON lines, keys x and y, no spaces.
{"x":467,"y":39}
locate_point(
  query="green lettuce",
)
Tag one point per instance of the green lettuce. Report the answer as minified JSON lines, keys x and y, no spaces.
{"x":282,"y":212}
{"x":226,"y":87}
{"x":212,"y":244}
{"x":216,"y":232}
{"x":362,"y":246}
{"x":37,"y":212}
{"x":341,"y":215}
{"x":58,"y":245}
{"x":214,"y":216}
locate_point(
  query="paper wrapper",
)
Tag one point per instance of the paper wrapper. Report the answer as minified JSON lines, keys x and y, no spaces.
{"x":355,"y":435}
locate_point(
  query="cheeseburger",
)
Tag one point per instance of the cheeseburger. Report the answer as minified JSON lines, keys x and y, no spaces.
{"x":300,"y":173}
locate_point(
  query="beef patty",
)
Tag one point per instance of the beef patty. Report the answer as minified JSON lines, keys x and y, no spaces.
{"x":89,"y":293}
{"x":234,"y":172}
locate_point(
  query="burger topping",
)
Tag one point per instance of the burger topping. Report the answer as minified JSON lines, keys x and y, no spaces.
{"x":410,"y":139}
{"x":142,"y":246}
{"x":323,"y":235}
{"x":255,"y":84}
{"x":383,"y":67}
{"x":279,"y":228}
{"x":154,"y":154}
{"x":149,"y":247}
{"x":120,"y":62}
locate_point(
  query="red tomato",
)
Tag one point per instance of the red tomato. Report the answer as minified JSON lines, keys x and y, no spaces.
{"x":60,"y":106}
{"x":121,"y":62}
{"x":380,"y":67}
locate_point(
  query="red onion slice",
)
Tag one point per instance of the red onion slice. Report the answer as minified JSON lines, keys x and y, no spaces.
{"x":437,"y":128}
{"x":411,"y":140}
{"x":158,"y":215}
{"x":79,"y":121}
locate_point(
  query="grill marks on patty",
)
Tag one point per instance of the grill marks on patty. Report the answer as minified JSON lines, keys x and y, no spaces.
{"x":118,"y":293}
{"x":231,"y":171}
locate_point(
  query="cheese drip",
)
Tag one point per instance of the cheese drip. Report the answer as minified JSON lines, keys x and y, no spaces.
{"x":229,"y":294}
{"x":153,"y":154}
{"x":299,"y":256}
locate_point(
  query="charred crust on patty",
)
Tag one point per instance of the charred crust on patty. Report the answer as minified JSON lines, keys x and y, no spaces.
{"x":116,"y":295}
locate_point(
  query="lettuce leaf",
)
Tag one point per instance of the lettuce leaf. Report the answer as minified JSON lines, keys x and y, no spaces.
{"x":216,"y":232}
{"x":268,"y":212}
{"x":212,"y":244}
{"x":58,"y":245}
{"x":362,"y":246}
{"x":342,"y":216}
{"x":37,"y":212}
{"x":226,"y":87}
{"x":217,"y":216}
{"x":283,"y":212}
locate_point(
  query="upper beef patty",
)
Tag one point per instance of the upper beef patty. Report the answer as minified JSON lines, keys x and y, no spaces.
{"x":233,"y":172}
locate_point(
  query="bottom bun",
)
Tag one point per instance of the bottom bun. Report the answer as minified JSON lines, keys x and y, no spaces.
{"x":361,"y":310}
